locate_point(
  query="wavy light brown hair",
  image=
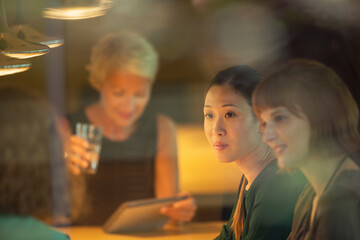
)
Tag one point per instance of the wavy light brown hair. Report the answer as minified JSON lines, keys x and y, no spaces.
{"x":319,"y":93}
{"x":33,"y":177}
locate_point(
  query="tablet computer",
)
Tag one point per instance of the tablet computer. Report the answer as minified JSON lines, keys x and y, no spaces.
{"x":139,"y":215}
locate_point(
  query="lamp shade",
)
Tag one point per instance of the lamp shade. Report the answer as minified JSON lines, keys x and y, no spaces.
{"x":27,"y":33}
{"x":24,"y":31}
{"x":12,"y":46}
{"x":11,"y":65}
{"x":81,"y":9}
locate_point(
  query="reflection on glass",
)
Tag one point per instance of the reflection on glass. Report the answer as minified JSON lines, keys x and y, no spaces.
{"x":10,"y":66}
{"x":14,"y":47}
{"x":26,"y":32}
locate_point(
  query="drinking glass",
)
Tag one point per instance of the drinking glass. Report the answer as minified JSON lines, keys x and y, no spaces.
{"x":93,"y":135}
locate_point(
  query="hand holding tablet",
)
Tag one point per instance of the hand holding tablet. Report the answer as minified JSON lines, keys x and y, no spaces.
{"x":140,"y":215}
{"x":181,"y":211}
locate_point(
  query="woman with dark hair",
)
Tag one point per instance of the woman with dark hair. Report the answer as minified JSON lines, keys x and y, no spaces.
{"x":311,"y":121}
{"x":34,"y":183}
{"x":266,"y":199}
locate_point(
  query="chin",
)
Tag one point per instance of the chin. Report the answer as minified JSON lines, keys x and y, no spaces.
{"x":224,"y":159}
{"x":285,"y":163}
{"x":125,"y":123}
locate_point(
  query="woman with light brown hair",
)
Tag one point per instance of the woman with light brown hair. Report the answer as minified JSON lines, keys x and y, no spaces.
{"x":34,"y":185}
{"x":266,"y":198}
{"x":311,"y":121}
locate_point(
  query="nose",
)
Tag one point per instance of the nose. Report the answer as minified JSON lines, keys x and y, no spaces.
{"x":269,"y":133}
{"x":219,"y":129}
{"x":128,"y":104}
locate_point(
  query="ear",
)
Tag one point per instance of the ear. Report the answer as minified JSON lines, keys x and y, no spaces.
{"x":260,"y":128}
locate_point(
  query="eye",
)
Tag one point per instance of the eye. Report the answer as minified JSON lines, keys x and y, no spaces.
{"x":229,"y":114}
{"x":140,"y":94}
{"x":208,"y":115}
{"x":262,"y":124}
{"x":279,"y":118}
{"x":119,"y":93}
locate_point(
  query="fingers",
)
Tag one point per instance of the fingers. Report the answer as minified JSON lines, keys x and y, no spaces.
{"x":77,"y":154}
{"x":74,"y":169}
{"x":182,"y":211}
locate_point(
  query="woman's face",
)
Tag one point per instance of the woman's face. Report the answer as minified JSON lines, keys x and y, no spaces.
{"x":124,"y":97}
{"x":230,"y":127}
{"x":288,"y":135}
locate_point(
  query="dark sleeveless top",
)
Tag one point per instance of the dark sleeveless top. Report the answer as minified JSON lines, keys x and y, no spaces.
{"x":125,"y":171}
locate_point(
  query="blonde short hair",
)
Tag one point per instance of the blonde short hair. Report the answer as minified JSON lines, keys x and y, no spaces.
{"x":126,"y":51}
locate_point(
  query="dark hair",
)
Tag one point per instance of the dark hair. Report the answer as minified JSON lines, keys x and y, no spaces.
{"x":33,"y":178}
{"x":316,"y":90}
{"x":243,"y":79}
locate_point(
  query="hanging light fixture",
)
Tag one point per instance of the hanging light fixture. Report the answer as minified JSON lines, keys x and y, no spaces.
{"x":80,"y":9}
{"x":25,"y":32}
{"x":11,"y":65}
{"x":12,"y":46}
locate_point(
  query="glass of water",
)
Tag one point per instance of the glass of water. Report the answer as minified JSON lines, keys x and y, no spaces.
{"x":93,"y":135}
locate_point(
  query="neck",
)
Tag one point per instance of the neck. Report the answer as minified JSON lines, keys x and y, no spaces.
{"x":320,"y":171}
{"x":252,"y":164}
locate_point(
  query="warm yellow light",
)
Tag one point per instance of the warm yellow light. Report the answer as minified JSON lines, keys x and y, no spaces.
{"x":200,"y":171}
{"x":78,"y":10}
{"x":10,"y":66}
{"x":73,"y":13}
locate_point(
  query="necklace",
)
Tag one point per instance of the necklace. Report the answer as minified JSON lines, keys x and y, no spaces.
{"x":314,"y":205}
{"x":334,"y":173}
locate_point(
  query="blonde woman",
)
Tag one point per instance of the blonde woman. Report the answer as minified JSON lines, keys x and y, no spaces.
{"x":139,"y":155}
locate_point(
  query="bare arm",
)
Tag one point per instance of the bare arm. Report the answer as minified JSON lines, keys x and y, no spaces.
{"x":166,"y":169}
{"x":166,"y":173}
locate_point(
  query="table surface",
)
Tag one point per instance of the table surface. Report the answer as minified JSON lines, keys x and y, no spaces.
{"x":195,"y":230}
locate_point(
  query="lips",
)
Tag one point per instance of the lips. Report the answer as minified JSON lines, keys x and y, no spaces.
{"x":220,"y":146}
{"x":125,"y":115}
{"x":279,"y":149}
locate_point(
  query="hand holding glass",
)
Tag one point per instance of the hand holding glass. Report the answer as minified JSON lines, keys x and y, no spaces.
{"x":93,"y":135}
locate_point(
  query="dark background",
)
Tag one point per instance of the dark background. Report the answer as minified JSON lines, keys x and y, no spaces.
{"x":195,"y":39}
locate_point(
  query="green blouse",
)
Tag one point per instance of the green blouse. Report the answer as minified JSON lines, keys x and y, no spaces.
{"x":338,"y":211}
{"x":13,"y":227}
{"x":268,"y":205}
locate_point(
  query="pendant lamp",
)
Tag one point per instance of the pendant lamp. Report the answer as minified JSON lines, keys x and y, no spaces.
{"x":75,"y":10}
{"x":25,"y":32}
{"x":12,"y":65}
{"x":12,"y":46}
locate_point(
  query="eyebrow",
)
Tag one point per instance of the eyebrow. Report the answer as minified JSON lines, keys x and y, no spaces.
{"x":277,"y":111}
{"x":225,"y":105}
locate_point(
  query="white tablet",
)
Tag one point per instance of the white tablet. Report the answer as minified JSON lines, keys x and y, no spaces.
{"x":139,"y":215}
